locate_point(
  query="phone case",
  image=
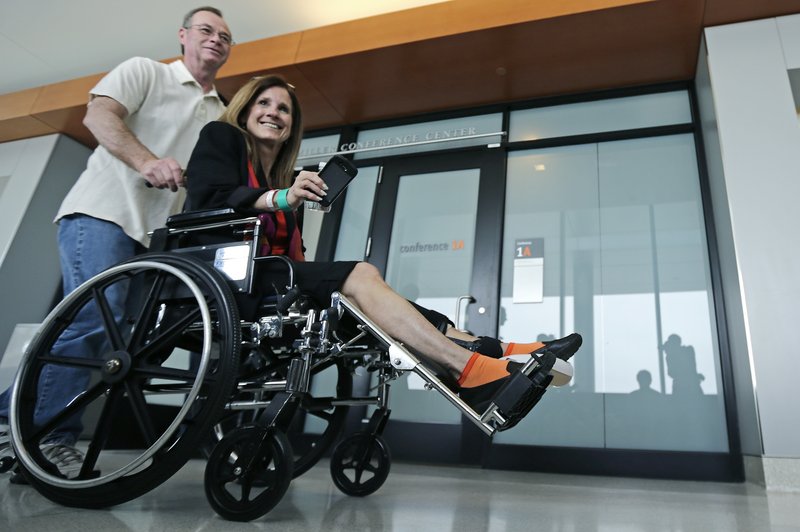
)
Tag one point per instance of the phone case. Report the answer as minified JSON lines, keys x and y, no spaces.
{"x":337,"y":173}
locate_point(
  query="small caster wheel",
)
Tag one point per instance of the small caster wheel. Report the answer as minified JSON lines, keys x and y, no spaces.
{"x":360,"y":464}
{"x":248,"y":473}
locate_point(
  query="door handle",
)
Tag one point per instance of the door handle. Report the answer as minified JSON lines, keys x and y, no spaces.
{"x":459,"y":322}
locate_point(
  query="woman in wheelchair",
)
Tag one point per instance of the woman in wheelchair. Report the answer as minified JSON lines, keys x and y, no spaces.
{"x":246,"y":160}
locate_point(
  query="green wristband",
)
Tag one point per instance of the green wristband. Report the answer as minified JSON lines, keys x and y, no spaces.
{"x":281,"y":200}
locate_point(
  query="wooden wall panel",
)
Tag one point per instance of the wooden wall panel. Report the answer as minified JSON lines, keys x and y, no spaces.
{"x":437,"y":20}
{"x":317,"y":110}
{"x":62,"y":106}
{"x":579,"y":53}
{"x":250,"y":58}
{"x":16,"y":121}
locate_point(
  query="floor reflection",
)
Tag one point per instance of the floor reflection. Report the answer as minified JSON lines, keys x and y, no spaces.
{"x":419,"y":498}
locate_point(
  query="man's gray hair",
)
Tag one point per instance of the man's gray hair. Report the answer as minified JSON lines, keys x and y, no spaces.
{"x":188,"y":18}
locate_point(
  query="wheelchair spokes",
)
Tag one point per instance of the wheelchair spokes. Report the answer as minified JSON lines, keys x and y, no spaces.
{"x":248,"y":473}
{"x":360,"y":464}
{"x":138,"y":383}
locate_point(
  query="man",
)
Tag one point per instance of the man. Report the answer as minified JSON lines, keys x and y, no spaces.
{"x":146,"y":117}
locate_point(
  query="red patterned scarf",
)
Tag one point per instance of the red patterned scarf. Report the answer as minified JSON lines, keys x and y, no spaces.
{"x":275,"y":229}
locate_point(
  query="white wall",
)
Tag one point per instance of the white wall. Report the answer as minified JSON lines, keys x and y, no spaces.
{"x":735,"y":325}
{"x":22,"y":163}
{"x":755,"y":176}
{"x":37,"y":173}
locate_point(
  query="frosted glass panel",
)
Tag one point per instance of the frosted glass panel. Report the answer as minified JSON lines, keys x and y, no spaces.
{"x":354,"y":228}
{"x":430,"y":263}
{"x":553,"y":194}
{"x":654,"y":266}
{"x":433,"y":241}
{"x":601,"y":115}
{"x":626,"y":265}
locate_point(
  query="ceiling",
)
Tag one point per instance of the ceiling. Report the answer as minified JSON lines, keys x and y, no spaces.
{"x":46,"y":41}
{"x":429,"y":57}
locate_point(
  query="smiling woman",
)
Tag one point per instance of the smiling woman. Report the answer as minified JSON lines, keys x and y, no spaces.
{"x":267,"y":112}
{"x":270,"y":119}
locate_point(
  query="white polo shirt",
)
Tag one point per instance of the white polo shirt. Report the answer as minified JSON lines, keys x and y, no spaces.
{"x":166,"y":111}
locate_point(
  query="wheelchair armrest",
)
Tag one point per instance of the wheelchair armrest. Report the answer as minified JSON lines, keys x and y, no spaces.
{"x":188,"y":219}
{"x":277,"y":262}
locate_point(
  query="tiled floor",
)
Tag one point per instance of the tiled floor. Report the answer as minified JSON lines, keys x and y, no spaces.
{"x":420,"y":498}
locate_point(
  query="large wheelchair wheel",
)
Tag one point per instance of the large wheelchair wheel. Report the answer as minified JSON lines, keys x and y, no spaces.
{"x":155,"y":374}
{"x":319,"y":420}
{"x":248,"y":473}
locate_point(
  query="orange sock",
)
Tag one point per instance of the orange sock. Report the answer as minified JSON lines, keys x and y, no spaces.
{"x":482,"y":369}
{"x":522,"y":349}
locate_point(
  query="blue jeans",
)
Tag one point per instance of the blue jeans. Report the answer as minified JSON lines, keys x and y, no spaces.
{"x":87,"y":246}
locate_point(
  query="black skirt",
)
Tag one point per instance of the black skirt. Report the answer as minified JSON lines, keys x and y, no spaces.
{"x":320,"y":279}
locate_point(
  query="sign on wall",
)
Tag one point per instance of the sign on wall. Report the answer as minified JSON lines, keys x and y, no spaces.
{"x":528,"y":271}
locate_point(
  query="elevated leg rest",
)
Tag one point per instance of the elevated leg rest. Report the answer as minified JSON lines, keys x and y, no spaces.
{"x":521,"y":392}
{"x":515,"y":397}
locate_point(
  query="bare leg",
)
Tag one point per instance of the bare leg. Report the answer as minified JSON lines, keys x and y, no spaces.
{"x":479,"y":377}
{"x":400,"y":319}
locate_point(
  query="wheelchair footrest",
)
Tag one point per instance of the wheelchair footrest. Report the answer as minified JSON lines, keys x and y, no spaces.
{"x":522,"y":391}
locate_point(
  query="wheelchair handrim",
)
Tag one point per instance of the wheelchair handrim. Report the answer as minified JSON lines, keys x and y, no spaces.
{"x":53,"y":480}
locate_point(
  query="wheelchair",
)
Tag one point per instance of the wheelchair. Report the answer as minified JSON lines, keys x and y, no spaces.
{"x":188,"y":358}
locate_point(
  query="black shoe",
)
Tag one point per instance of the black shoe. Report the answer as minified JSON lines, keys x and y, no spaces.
{"x":565,"y":347}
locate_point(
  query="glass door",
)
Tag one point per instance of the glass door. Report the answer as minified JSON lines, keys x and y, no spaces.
{"x":435,"y":237}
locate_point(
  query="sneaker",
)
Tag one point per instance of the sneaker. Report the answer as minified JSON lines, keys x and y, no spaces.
{"x":6,"y":451}
{"x":5,"y":437}
{"x":66,"y":458}
{"x":7,"y":458}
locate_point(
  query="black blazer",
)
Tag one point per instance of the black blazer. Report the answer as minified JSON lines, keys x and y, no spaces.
{"x":217,"y":175}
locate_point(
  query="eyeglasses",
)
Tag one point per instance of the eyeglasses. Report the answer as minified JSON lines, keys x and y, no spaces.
{"x":208,"y":31}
